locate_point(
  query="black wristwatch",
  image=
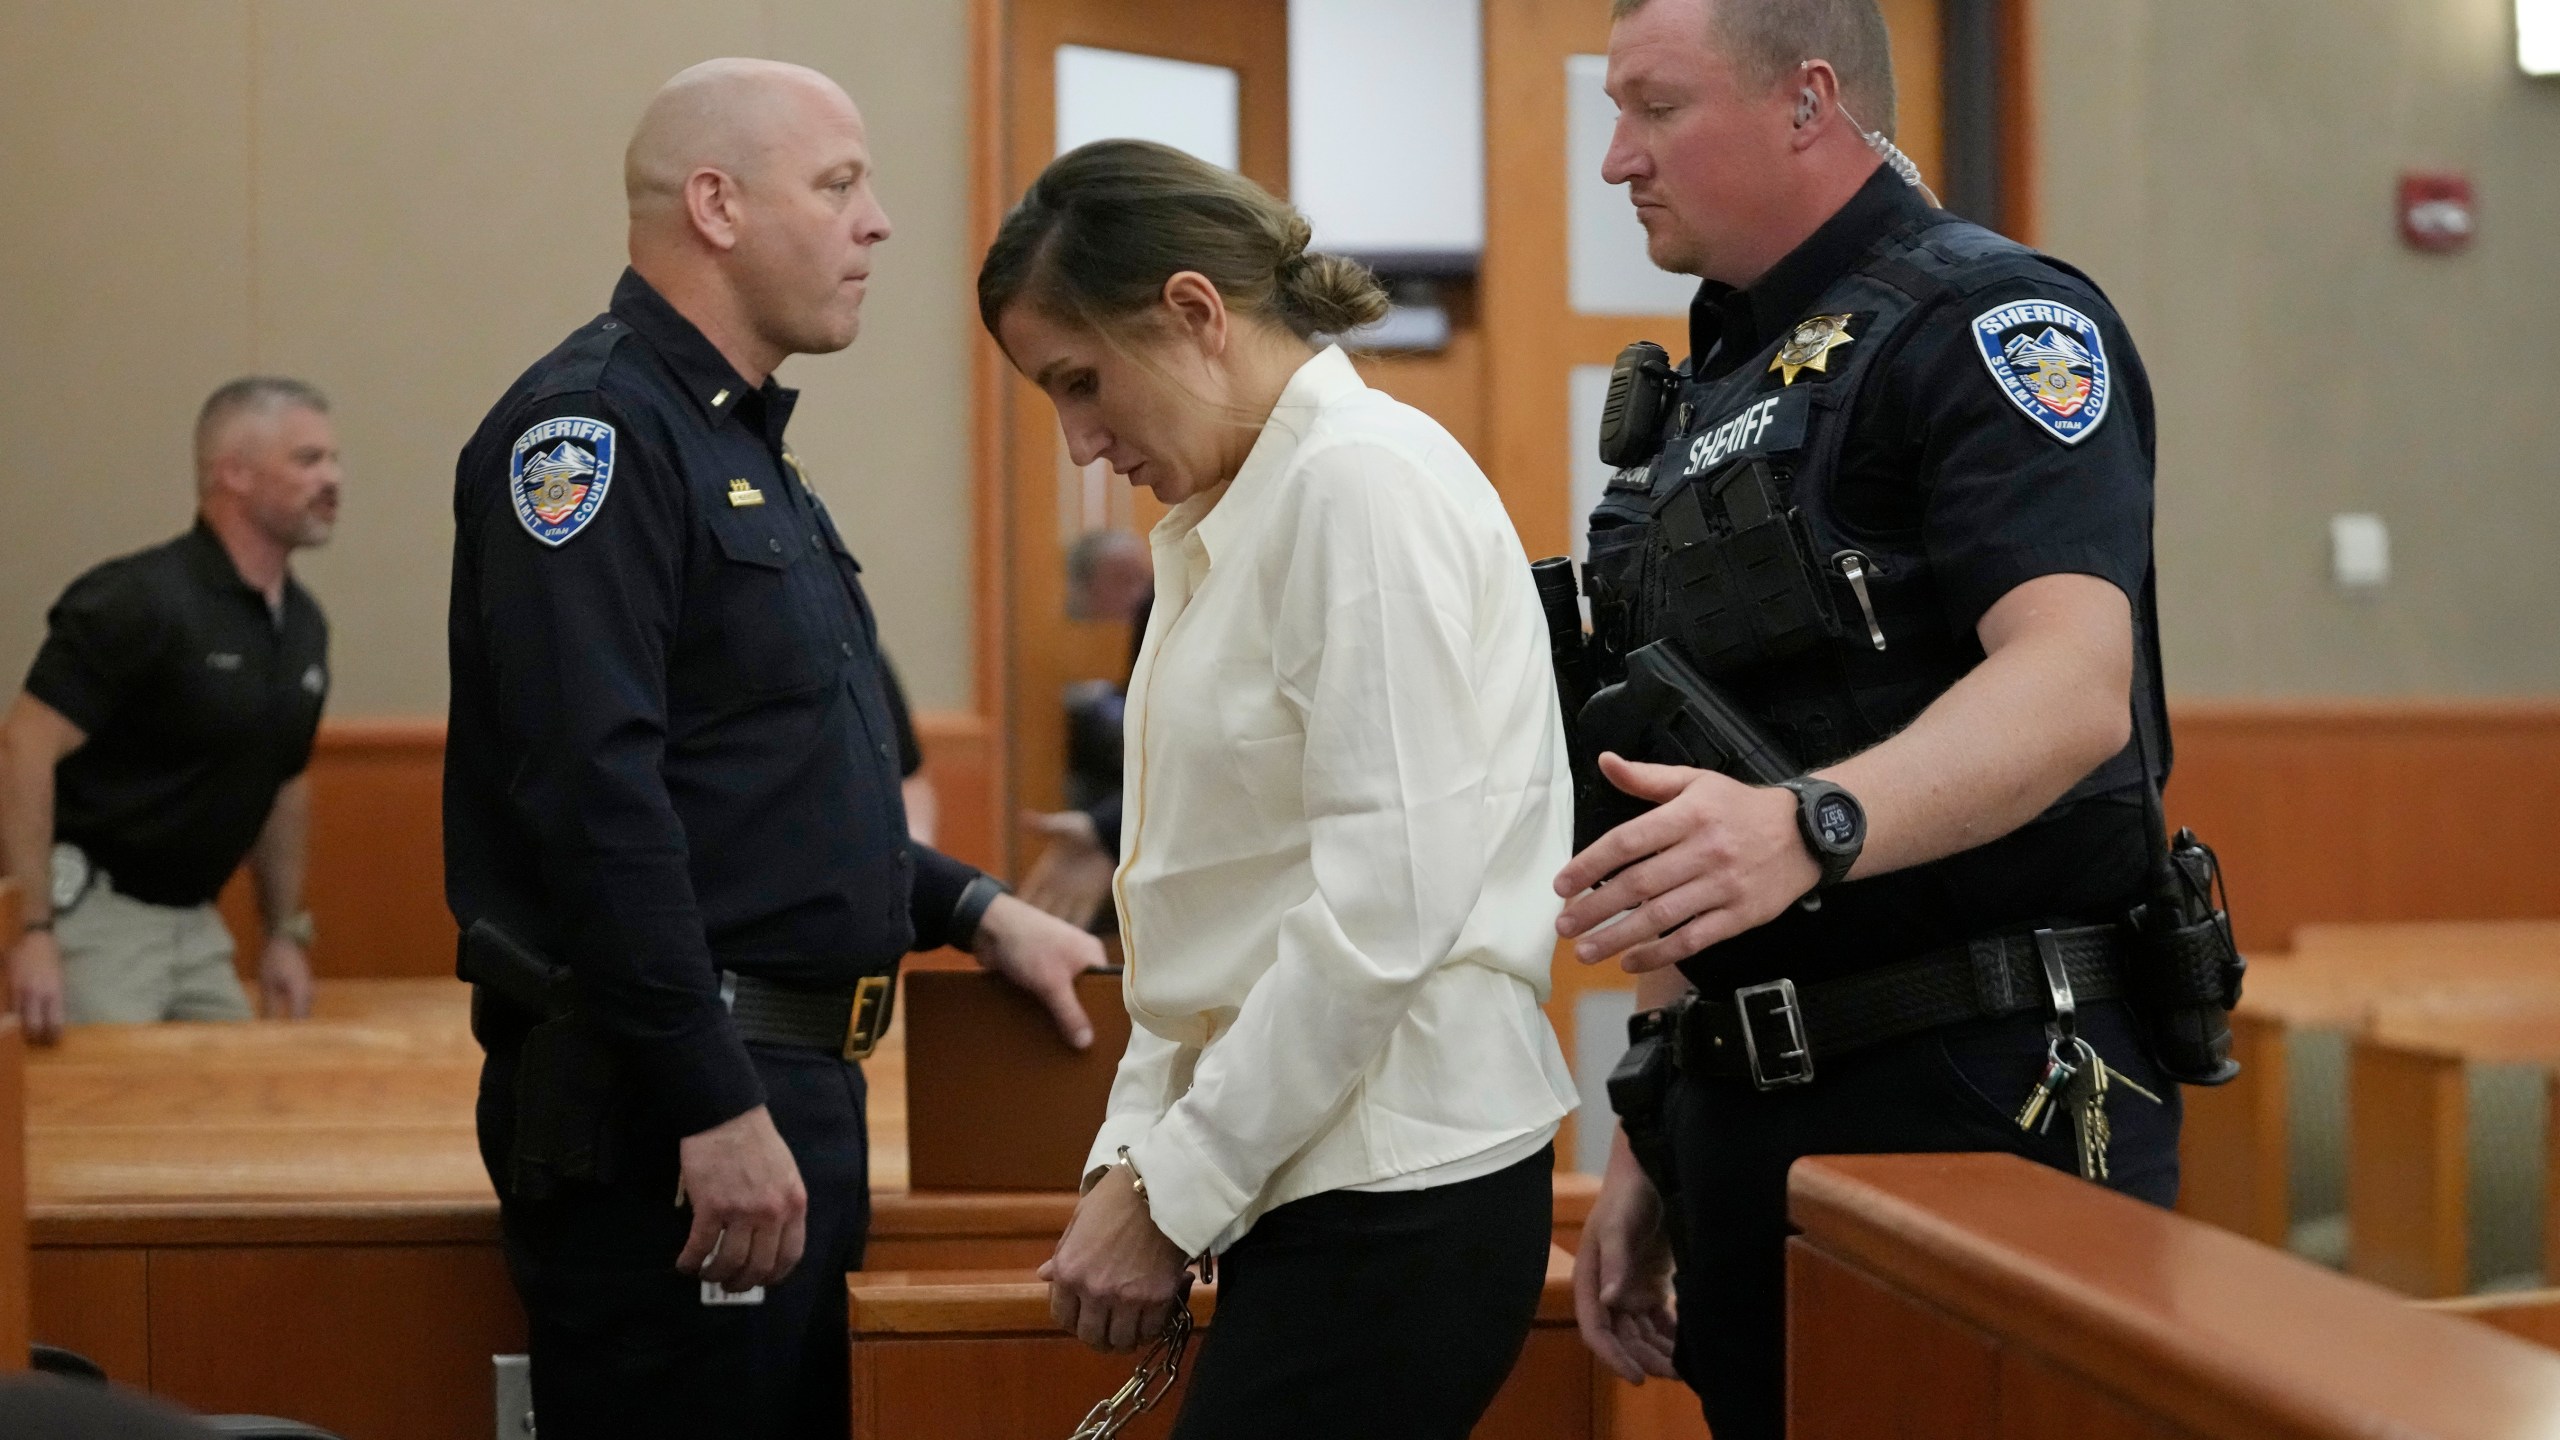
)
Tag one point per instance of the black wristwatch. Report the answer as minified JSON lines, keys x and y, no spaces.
{"x":1833,"y":824}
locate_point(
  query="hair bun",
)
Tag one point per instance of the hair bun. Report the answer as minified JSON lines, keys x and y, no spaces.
{"x":1334,"y":295}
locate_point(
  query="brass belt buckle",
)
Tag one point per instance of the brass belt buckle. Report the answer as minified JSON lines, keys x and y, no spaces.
{"x":870,"y":1016}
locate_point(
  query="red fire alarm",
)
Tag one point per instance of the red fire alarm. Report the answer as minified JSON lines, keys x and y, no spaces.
{"x":2436,"y":213}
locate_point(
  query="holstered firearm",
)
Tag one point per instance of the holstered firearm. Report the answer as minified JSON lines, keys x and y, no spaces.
{"x":1663,"y":712}
{"x":568,"y":1090}
{"x":1640,"y":1092}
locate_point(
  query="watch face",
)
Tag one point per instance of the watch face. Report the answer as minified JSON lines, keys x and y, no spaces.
{"x":1836,"y":818}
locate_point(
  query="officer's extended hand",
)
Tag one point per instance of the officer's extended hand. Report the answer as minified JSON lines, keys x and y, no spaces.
{"x":1115,"y":1278}
{"x":1622,"y":1277}
{"x":35,"y":986}
{"x":284,"y":980}
{"x":750,"y":1212}
{"x":1713,"y":859}
{"x":1043,"y":954}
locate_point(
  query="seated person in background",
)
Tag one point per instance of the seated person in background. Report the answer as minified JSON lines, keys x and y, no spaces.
{"x":1347,"y":777}
{"x":1110,"y":576}
{"x":162,"y":735}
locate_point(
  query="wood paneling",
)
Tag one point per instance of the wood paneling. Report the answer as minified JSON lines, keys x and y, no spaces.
{"x":386,"y":1342}
{"x":2399,"y":811}
{"x":976,"y":1357}
{"x":2532,"y":1315}
{"x":2409,"y":1144}
{"x":2021,"y":135}
{"x":1044,"y":651}
{"x":2039,"y":1401}
{"x":14,"y":1278}
{"x":2192,"y":1327}
{"x":1866,"y":1360}
{"x":97,"y":1303}
{"x":375,"y":887}
{"x":376,"y":883}
{"x":2232,"y":1160}
{"x":960,"y":758}
{"x":2406,"y":1178}
{"x":995,"y":1099}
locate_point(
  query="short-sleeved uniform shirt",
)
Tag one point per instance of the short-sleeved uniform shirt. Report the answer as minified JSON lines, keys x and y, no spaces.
{"x":671,"y":750}
{"x":1941,"y":460}
{"x":200,"y":703}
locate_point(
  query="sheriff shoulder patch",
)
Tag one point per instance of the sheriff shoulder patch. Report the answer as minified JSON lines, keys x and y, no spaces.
{"x":2051,"y":362}
{"x":558,"y":475}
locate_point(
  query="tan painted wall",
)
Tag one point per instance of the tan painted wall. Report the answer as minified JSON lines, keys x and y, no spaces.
{"x":2228,"y":172}
{"x":408,"y":203}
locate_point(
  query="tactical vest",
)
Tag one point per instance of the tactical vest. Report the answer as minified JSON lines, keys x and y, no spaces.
{"x":1831,"y":638}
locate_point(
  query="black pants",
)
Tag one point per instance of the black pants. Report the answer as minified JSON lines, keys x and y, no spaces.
{"x":623,"y":1346}
{"x":1944,"y":1091}
{"x":1398,"y":1315}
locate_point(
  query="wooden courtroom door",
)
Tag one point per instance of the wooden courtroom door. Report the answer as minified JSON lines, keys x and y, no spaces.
{"x":1046,"y":501}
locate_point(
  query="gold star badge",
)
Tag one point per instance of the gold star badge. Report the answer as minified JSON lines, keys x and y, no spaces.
{"x":1809,"y":346}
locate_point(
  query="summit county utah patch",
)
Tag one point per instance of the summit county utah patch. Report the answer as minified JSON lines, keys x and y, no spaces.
{"x":2050,"y":361}
{"x":558,"y":476}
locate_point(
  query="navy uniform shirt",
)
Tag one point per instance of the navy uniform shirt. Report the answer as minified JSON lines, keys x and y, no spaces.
{"x":1940,"y":460}
{"x":199,"y":703}
{"x":670,"y":751}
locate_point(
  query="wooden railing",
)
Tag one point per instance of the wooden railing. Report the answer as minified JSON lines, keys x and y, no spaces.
{"x":1978,"y":1295}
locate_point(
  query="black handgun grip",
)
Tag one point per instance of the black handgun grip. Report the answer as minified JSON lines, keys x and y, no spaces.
{"x":1668,"y":713}
{"x":520,"y":974}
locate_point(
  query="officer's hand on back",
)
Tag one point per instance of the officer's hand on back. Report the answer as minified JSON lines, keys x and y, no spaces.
{"x":1715,"y":857}
{"x":749,"y":1207}
{"x":1043,"y":954}
{"x":35,"y":986}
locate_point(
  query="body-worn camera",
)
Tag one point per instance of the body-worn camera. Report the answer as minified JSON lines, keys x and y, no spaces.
{"x":1642,"y":386}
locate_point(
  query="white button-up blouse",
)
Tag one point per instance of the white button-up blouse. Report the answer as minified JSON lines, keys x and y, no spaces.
{"x":1347,"y":800}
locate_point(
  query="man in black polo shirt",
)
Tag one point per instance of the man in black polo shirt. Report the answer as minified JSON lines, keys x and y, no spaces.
{"x":162,"y":735}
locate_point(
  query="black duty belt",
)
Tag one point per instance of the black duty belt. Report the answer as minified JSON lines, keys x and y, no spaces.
{"x":842,"y":1022}
{"x":1772,"y":1034}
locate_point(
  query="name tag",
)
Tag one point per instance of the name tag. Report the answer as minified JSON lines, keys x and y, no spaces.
{"x":1771,"y":423}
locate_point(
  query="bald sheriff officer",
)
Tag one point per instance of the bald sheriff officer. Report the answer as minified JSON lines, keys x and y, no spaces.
{"x":673,"y":829}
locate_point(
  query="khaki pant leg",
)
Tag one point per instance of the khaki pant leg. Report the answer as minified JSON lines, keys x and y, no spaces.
{"x":206,"y":984}
{"x":119,"y":958}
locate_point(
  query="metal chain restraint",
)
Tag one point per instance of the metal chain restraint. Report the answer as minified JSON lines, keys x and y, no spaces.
{"x":1157,"y":1370}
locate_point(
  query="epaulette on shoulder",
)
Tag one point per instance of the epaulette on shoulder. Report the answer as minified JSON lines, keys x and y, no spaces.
{"x":1955,"y":256}
{"x":577,"y":365}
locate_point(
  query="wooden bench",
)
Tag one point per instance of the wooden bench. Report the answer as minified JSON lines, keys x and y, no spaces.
{"x":1976,"y":1295}
{"x":14,"y":1305}
{"x":294,"y":1219}
{"x":2530,"y":1315}
{"x":975,"y":1356}
{"x":2262,"y":1154}
{"x":2420,"y":1148}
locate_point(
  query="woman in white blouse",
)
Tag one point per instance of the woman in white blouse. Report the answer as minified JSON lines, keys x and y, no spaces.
{"x":1346,"y":797}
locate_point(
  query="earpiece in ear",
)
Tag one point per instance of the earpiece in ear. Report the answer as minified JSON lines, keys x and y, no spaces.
{"x":1805,"y":106}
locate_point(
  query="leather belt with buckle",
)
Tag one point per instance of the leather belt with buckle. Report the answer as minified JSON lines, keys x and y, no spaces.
{"x":1771,"y":1033}
{"x":848,"y":1023}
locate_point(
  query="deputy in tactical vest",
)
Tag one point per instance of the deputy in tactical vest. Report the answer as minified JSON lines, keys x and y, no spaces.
{"x":1869,"y":722}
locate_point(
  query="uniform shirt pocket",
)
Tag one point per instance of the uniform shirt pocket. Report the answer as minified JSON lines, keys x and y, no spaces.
{"x":763,"y":636}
